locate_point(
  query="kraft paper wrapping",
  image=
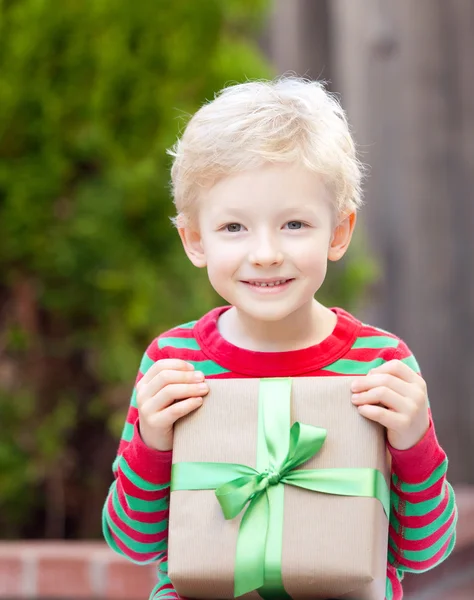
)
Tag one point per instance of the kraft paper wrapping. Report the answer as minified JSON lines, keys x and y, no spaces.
{"x":333,"y":546}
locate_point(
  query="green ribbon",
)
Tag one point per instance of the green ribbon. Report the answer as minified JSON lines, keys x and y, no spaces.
{"x":280,"y":450}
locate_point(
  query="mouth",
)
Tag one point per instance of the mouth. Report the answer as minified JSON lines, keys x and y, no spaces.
{"x":267,"y":283}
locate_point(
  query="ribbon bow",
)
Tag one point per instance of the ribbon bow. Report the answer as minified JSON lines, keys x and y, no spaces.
{"x":305,"y":442}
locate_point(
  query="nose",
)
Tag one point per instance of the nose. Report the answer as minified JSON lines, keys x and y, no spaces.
{"x":266,"y":252}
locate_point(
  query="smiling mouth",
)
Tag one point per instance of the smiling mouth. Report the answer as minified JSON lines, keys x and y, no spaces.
{"x":272,"y":283}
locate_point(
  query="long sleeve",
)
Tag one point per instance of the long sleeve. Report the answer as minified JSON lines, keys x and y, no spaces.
{"x":135,"y":515}
{"x":423,"y":510}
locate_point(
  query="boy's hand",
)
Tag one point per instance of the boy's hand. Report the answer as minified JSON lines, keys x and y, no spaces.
{"x":158,"y":392}
{"x":396,"y":397}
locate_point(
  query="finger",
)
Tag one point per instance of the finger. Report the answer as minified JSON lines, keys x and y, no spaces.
{"x":166,"y":364}
{"x":165,"y":378}
{"x":382,"y":395}
{"x":388,"y":418}
{"x":170,"y":394}
{"x":398,"y":369}
{"x":166,"y":418}
{"x":386,"y":380}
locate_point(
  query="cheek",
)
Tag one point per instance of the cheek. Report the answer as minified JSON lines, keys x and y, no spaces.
{"x":312,"y":255}
{"x":222,"y":259}
{"x":315,"y":268}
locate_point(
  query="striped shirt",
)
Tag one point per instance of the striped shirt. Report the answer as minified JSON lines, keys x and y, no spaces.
{"x":423,"y":512}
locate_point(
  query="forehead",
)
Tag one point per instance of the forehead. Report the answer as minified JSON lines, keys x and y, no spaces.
{"x":269,"y":188}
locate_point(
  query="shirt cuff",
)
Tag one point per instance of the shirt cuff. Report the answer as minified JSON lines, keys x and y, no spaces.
{"x":151,"y":465}
{"x":416,"y":464}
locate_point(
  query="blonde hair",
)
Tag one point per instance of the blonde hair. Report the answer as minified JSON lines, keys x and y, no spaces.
{"x":289,"y":120}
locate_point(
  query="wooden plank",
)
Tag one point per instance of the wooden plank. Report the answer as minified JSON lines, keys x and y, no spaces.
{"x":405,"y":70}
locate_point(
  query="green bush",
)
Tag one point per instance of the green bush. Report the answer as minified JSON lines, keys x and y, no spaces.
{"x":92,"y":92}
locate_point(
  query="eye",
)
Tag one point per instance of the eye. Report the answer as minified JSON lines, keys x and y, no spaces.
{"x":295,"y":225}
{"x":233,"y":227}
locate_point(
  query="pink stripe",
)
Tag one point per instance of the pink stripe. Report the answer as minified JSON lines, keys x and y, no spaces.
{"x":396,"y":585}
{"x":132,"y":416}
{"x":143,"y":517}
{"x":170,"y":590}
{"x":414,"y":522}
{"x":138,"y":536}
{"x":430,"y":493}
{"x":132,"y":490}
{"x":138,"y":557}
{"x":424,"y":564}
{"x":423,"y":544}
{"x":177,"y":332}
{"x":402,"y":351}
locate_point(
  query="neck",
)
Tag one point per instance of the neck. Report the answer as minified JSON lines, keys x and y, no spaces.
{"x":306,"y":327}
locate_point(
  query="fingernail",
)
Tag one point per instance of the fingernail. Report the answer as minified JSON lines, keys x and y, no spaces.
{"x":354,"y":397}
{"x":198,"y":376}
{"x":202,"y":387}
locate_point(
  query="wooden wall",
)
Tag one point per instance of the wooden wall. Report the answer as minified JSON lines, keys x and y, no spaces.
{"x":406,"y":73}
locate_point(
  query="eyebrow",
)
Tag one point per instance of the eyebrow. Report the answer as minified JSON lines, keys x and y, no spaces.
{"x":229,"y":213}
{"x":300,"y":212}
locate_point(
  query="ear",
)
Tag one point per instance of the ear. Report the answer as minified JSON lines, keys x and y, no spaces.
{"x":192,"y":244}
{"x":341,"y":237}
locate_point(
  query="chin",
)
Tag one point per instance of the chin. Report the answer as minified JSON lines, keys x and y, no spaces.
{"x":268,"y":314}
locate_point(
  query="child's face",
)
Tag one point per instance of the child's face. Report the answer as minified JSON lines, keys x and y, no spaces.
{"x":265,"y":236}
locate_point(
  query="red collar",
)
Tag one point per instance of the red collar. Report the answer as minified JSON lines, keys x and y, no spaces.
{"x":276,"y":364}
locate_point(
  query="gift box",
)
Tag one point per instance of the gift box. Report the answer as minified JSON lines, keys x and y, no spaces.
{"x":279,"y":490}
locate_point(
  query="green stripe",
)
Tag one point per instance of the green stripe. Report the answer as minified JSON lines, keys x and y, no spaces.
{"x":146,"y":528}
{"x":411,"y":362}
{"x":177,"y":342}
{"x":208,"y":367}
{"x":115,"y":464}
{"x":428,"y":553}
{"x":133,"y":545}
{"x":163,"y":579}
{"x":435,"y":476}
{"x":145,"y":363}
{"x":147,"y":506}
{"x":391,"y":557}
{"x":106,"y":531}
{"x":416,"y":509}
{"x":128,"y":430}
{"x":375,"y":341}
{"x":449,"y":548}
{"x":139,"y":481}
{"x":388,"y":590}
{"x":419,"y":533}
{"x":133,"y":401}
{"x":400,"y":574}
{"x":189,"y":325}
{"x":353,"y":367}
{"x":163,"y":567}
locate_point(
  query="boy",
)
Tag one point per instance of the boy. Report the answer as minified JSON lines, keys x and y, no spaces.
{"x":267,"y":184}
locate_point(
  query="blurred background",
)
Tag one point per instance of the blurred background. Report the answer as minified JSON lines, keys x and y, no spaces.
{"x":92,"y":92}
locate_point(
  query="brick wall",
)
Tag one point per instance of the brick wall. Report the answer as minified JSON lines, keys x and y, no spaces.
{"x":70,"y":570}
{"x":89,"y":570}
